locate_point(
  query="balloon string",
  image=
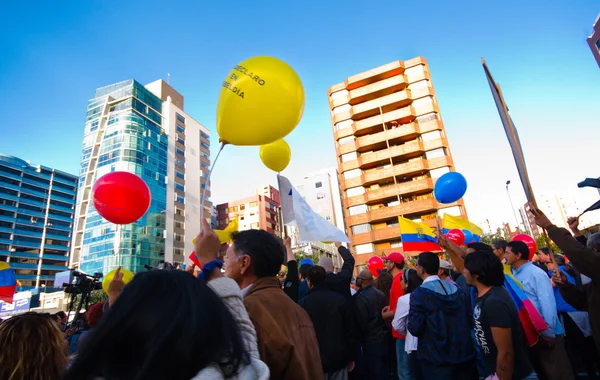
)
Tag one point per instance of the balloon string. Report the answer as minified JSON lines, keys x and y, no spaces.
{"x":208,"y":180}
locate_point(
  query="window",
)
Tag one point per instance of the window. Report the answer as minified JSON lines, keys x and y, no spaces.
{"x":179,"y":199}
{"x":352,"y":173}
{"x":435,"y":153}
{"x":180,"y":163}
{"x":253,"y":204}
{"x":179,"y":211}
{"x":320,"y":196}
{"x":204,"y":135}
{"x":179,"y":187}
{"x":180,"y":118}
{"x":180,"y":128}
{"x":179,"y":151}
{"x":223,"y":211}
{"x":436,"y":173}
{"x":360,"y":228}
{"x":339,"y":94}
{"x":254,"y":226}
{"x":180,"y":140}
{"x":349,"y":156}
{"x":433,"y":135}
{"x":242,"y":207}
{"x":427,"y":117}
{"x":355,"y":210}
{"x":396,"y":244}
{"x":598,"y":44}
{"x":354,"y":191}
{"x":346,"y":140}
{"x":343,"y":124}
{"x":340,"y":109}
{"x":233,"y":209}
{"x":205,"y":165}
{"x":178,"y":237}
{"x":204,"y":145}
{"x":363,"y":248}
{"x":318,"y":185}
{"x":328,"y":217}
{"x":179,"y":174}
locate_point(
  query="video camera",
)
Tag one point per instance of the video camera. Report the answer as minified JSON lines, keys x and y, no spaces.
{"x":83,"y":283}
{"x":164,"y":266}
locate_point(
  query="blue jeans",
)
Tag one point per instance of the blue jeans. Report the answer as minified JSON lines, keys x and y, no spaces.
{"x":376,"y":360}
{"x":401,"y":357}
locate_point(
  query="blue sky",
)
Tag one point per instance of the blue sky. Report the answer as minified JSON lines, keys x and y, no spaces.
{"x":54,"y":54}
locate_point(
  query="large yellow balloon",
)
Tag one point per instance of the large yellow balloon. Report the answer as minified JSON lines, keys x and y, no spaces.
{"x":127,"y":277}
{"x":276,"y":156}
{"x":261,"y":101}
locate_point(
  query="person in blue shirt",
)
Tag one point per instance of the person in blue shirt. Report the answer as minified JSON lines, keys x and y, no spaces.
{"x":548,"y":357}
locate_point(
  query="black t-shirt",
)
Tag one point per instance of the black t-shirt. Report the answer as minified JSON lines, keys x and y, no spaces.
{"x":496,"y":308}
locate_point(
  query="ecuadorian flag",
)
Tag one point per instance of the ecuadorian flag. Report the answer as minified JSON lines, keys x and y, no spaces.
{"x":417,"y":236}
{"x":8,"y":282}
{"x":531,"y":321}
{"x":454,"y":222}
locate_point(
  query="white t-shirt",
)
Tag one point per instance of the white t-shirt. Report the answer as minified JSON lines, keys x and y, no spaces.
{"x":400,"y":321}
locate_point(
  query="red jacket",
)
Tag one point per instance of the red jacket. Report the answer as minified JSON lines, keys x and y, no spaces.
{"x":395,"y":293}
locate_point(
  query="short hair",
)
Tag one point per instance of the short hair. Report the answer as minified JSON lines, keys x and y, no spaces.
{"x":594,"y":241}
{"x":478,"y":246}
{"x":500,"y":244}
{"x":486,"y":266}
{"x":265,"y":250}
{"x":304,"y":268}
{"x":430,"y":262}
{"x":518,"y":247}
{"x":560,"y":259}
{"x":316,"y":275}
{"x":545,"y":250}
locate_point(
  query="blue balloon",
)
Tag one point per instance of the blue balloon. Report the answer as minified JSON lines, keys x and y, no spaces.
{"x":468,"y":237}
{"x":450,"y":187}
{"x":307,"y":261}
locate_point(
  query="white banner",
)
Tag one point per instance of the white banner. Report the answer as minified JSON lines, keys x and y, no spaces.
{"x":296,"y":212}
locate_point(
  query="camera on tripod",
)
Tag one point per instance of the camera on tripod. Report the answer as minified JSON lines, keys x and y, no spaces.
{"x":82,"y":283}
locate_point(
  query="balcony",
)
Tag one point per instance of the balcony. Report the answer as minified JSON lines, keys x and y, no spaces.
{"x":64,"y":192}
{"x":56,"y":247}
{"x":61,"y":208}
{"x":407,"y":150}
{"x":50,"y":235}
{"x":7,"y":230}
{"x":47,"y":256}
{"x":36,"y":182}
{"x":35,"y":214}
{"x":63,"y":198}
{"x":371,"y":108}
{"x":378,"y":235}
{"x":396,"y":135}
{"x":7,"y":207}
{"x":405,"y":188}
{"x":33,"y":192}
{"x":374,"y":75}
{"x":32,"y":202}
{"x":387,"y":213}
{"x":23,"y":266}
{"x":26,"y":244}
{"x":59,"y":217}
{"x":9,"y":197}
{"x":5,"y":218}
{"x":64,"y":180}
{"x":9,"y":175}
{"x":10,"y":186}
{"x":25,"y":255}
{"x":54,"y":267}
{"x":21,"y":232}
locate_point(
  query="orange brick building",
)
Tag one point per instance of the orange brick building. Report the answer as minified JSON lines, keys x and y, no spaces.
{"x":391,"y":146}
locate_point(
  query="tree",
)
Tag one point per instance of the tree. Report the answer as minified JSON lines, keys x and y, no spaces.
{"x":95,"y":297}
{"x":500,"y":234}
{"x":541,"y":243}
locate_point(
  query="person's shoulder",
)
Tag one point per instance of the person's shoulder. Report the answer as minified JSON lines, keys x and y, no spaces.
{"x":499,"y":295}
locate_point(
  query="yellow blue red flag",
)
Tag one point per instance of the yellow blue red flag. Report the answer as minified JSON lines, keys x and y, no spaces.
{"x":454,"y":222}
{"x":417,"y":236}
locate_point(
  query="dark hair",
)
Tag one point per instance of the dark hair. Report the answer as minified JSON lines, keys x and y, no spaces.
{"x":478,"y":246}
{"x":266,"y":251}
{"x":500,"y":244}
{"x":304,"y":270}
{"x":384,"y":283}
{"x":519,"y":247}
{"x":429,"y":261}
{"x":412,"y":279}
{"x":560,"y":259}
{"x":165,"y":325}
{"x":546,"y":251}
{"x":316,"y":275}
{"x":60,"y":315}
{"x":486,"y":266}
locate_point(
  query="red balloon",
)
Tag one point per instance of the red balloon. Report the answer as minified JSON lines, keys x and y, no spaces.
{"x":531,"y":244}
{"x":375,"y":263}
{"x":456,"y":236}
{"x":121,"y":197}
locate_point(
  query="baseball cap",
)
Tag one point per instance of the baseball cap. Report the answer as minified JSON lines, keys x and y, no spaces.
{"x":444,"y":264}
{"x":395,"y":257}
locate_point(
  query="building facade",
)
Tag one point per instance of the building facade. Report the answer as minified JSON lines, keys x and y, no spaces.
{"x":322,"y":192}
{"x":258,"y":212}
{"x":594,"y":40}
{"x":391,"y":146}
{"x":37,"y":207}
{"x":143,"y":130}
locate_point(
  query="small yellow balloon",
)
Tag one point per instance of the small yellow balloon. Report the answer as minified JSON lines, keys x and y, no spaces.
{"x":127,"y":277}
{"x":276,"y":156}
{"x":261,"y":101}
{"x":327,"y":242}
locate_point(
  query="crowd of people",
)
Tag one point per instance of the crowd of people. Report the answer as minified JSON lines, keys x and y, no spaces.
{"x":438,"y":319}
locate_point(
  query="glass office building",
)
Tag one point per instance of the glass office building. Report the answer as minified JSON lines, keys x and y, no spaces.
{"x":36,"y":220}
{"x":130,"y":128}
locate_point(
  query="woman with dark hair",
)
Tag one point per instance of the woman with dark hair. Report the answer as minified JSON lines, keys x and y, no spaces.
{"x":496,"y":320}
{"x":171,"y":325}
{"x":32,"y":347}
{"x":410,"y":281}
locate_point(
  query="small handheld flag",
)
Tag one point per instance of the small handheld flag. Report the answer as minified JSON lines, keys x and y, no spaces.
{"x":8,"y":282}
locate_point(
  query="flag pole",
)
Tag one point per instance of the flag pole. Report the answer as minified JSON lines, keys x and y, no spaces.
{"x":515,"y":144}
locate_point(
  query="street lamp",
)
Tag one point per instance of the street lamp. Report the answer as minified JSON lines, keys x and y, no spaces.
{"x":511,"y":205}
